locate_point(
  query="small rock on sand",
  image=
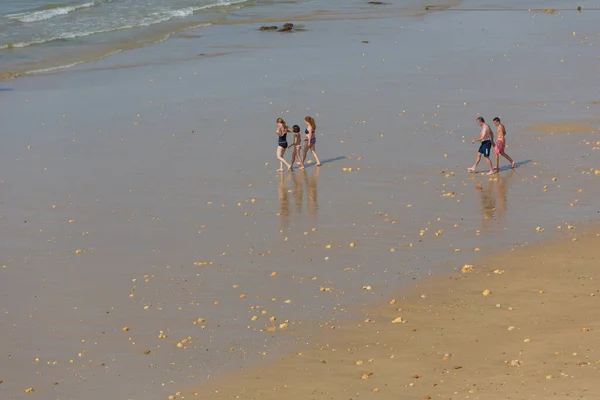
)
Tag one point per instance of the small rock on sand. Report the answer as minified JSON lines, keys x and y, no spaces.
{"x":286,"y":27}
{"x":467,"y":268}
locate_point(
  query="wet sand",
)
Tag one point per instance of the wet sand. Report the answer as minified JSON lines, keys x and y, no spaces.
{"x":520,"y":325}
{"x":140,"y":196}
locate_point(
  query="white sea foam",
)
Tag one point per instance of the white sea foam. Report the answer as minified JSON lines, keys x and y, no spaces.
{"x":41,"y":15}
{"x":151,"y":19}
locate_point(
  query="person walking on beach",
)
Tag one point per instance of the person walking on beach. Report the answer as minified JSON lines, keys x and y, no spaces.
{"x":310,"y":139}
{"x":500,"y":145}
{"x":296,"y":147}
{"x":282,"y":131}
{"x":487,"y":141}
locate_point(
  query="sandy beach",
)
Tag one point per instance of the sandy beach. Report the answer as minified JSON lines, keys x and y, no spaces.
{"x":516,"y":325}
{"x":149,"y":248}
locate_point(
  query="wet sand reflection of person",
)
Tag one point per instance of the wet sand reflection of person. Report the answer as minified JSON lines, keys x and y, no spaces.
{"x":302,"y":182}
{"x":284,"y":202}
{"x":488,"y":204}
{"x":298,"y":191}
{"x":494,"y":199}
{"x":313,"y":203}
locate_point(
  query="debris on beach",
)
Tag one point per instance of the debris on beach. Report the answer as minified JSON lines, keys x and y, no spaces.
{"x":399,"y":320}
{"x":184,"y":342}
{"x":434,"y":8}
{"x":287,"y":27}
{"x":467,"y":268}
{"x":486,"y":292}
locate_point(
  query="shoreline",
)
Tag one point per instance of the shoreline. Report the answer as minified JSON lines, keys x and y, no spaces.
{"x":502,"y":326}
{"x":159,"y":37}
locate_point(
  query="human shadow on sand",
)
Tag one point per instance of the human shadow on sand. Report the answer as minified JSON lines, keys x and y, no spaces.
{"x":517,"y":165}
{"x":5,"y":89}
{"x":327,"y":161}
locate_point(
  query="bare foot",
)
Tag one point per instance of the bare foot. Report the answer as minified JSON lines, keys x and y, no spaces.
{"x":491,"y":172}
{"x":497,"y":169}
{"x":290,"y":168}
{"x":302,"y":167}
{"x":279,"y":170}
{"x":471,"y":169}
{"x":513,"y":165}
{"x":319,"y":164}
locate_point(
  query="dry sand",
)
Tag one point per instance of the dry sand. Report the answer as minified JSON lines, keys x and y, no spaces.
{"x":519,"y":325}
{"x":562,"y":128}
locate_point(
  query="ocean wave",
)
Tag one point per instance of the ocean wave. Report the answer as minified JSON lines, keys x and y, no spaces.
{"x":187,"y":11}
{"x":151,"y":19}
{"x":47,"y":13}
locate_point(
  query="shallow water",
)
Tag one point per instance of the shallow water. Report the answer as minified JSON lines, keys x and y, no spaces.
{"x":41,"y":36}
{"x":165,"y":218}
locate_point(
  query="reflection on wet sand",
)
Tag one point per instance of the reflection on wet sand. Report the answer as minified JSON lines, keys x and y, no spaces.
{"x":494,"y":199}
{"x":301,"y":181}
{"x":311,"y":186}
{"x":284,"y":202}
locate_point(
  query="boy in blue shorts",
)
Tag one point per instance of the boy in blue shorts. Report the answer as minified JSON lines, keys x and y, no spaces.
{"x":487,"y":142}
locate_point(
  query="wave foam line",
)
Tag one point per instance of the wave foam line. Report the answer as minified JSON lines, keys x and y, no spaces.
{"x":41,"y":15}
{"x":156,"y":18}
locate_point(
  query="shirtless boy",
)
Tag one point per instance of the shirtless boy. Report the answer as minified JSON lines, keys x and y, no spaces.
{"x":487,"y":141}
{"x":500,"y":144}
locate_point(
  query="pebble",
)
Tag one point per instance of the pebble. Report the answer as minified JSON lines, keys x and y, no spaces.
{"x":467,"y":268}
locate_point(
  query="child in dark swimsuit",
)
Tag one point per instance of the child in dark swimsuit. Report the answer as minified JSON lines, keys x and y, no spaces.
{"x":282,"y":131}
{"x":296,"y":146}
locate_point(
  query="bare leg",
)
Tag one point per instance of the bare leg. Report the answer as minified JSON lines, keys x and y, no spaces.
{"x":477,"y":160}
{"x":314,"y":153}
{"x":280,"y":153}
{"x":293,"y":156}
{"x":510,"y":160}
{"x":300,"y":161}
{"x":304,"y":153}
{"x":497,"y":163}
{"x":489,"y":163}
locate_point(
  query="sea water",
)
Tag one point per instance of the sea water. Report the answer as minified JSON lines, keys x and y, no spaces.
{"x":34,"y":31}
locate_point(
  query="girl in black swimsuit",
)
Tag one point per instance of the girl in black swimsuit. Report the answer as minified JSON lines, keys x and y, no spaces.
{"x":282,"y":130}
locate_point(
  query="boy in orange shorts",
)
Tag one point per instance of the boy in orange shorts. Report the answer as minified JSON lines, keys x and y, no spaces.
{"x":500,"y":145}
